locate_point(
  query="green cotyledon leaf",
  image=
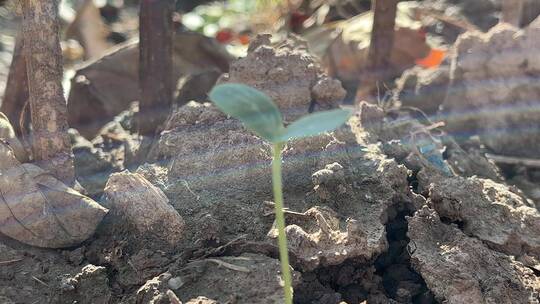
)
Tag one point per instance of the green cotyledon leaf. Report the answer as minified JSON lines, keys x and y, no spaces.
{"x":252,"y":107}
{"x":316,"y":123}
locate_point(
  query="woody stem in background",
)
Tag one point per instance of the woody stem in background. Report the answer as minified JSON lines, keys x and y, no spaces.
{"x":155,"y":63}
{"x":380,"y":47}
{"x":50,"y":141}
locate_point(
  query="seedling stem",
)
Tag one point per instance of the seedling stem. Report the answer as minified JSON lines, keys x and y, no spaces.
{"x":280,"y":221}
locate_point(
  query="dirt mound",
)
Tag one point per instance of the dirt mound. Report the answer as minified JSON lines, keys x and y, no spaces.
{"x":213,"y":163}
{"x":495,"y":91}
{"x":460,"y":269}
{"x":288,"y":74}
{"x":491,"y":212}
{"x":490,"y":89}
{"x":489,"y":99}
{"x":339,"y":196}
{"x":470,"y":215}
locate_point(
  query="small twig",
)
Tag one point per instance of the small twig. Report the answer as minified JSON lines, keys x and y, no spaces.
{"x":40,"y":281}
{"x":528,"y":162}
{"x":189,"y":189}
{"x":2,"y":263}
{"x":285,"y":210}
{"x":220,"y":249}
{"x":229,"y":266}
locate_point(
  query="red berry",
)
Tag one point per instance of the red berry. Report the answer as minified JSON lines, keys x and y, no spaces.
{"x":224,"y":36}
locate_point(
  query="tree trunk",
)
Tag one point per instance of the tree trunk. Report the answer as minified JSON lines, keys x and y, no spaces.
{"x":51,"y":145}
{"x":381,"y":45}
{"x":155,"y":64}
{"x":512,"y":10}
{"x":382,"y":34}
{"x":16,"y":94}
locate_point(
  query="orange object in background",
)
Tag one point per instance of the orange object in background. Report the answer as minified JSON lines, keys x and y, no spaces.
{"x":433,"y":59}
{"x":244,"y":39}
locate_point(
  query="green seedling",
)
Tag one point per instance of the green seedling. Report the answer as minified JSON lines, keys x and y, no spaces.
{"x":259,"y":114}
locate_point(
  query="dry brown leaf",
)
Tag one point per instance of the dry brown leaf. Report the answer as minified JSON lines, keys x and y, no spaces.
{"x":39,"y":210}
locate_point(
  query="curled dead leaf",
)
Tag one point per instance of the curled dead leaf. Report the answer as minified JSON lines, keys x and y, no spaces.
{"x":39,"y":210}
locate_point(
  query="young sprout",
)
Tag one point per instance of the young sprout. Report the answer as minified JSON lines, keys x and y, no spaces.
{"x":259,"y":114}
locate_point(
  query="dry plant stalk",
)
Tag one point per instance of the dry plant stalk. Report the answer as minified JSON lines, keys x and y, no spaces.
{"x":155,"y":64}
{"x":380,"y":47}
{"x":50,"y":141}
